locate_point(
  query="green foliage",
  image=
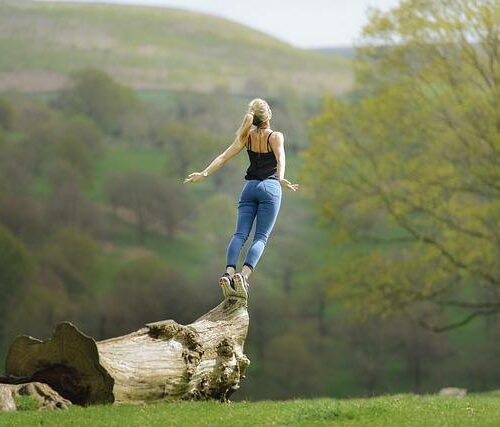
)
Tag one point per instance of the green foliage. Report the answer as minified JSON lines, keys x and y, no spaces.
{"x":40,"y":306}
{"x":79,"y":145}
{"x":74,"y":256}
{"x":187,"y":147}
{"x":95,"y":94}
{"x":49,"y":143}
{"x":7,"y":114}
{"x":144,"y":288}
{"x":16,"y":267}
{"x":23,"y":216}
{"x":411,"y":169}
{"x":121,"y":159}
{"x":151,"y":201}
{"x":216,"y":221}
{"x":40,"y":126}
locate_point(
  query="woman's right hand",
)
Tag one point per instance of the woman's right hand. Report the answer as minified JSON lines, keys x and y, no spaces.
{"x":195,"y":177}
{"x":287,"y":184}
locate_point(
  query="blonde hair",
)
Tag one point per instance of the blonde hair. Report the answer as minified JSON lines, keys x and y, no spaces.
{"x":258,"y":113}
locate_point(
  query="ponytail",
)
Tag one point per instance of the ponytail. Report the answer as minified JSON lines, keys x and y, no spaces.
{"x":244,"y":129}
{"x":258,"y":112}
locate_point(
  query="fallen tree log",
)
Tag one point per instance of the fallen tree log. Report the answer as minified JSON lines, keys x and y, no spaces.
{"x":42,"y":394}
{"x":161,"y":361}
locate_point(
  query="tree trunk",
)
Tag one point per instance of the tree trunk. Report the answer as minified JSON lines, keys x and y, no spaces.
{"x":161,"y":361}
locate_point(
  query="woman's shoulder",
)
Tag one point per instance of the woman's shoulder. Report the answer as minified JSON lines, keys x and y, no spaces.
{"x":276,"y":136}
{"x":272,"y":135}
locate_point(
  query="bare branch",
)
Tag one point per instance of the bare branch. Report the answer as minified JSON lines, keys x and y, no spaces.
{"x":455,"y":325}
{"x":464,"y":304}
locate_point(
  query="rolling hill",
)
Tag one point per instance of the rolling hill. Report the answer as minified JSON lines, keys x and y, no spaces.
{"x":41,"y":43}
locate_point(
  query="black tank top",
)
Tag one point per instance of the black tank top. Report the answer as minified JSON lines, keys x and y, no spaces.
{"x":262,"y":165}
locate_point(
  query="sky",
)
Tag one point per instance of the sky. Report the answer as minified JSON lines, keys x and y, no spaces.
{"x":303,"y":23}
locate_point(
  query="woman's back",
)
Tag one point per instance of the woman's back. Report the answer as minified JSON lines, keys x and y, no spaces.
{"x":258,"y":140}
{"x":263,"y":163}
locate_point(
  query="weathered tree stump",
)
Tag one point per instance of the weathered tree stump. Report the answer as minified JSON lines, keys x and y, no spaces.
{"x":161,"y":361}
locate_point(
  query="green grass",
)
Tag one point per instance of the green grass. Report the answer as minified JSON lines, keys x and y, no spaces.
{"x":26,"y":403}
{"x":398,"y":410}
{"x":150,"y":47}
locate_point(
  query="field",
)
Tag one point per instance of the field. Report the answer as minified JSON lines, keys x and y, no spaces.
{"x":153,"y":48}
{"x":397,"y":410}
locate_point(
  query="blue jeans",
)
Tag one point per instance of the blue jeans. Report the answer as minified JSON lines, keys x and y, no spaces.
{"x":261,"y":200}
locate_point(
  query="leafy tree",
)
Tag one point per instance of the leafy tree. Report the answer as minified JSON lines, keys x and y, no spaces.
{"x":79,"y":145}
{"x":292,"y":365}
{"x":187,"y":147}
{"x":68,"y":206}
{"x":216,"y":221}
{"x":24,"y":155}
{"x":23,"y":216}
{"x":152,"y":201}
{"x":94,"y":93}
{"x":143,"y":290}
{"x":39,"y":308}
{"x":39,"y":127}
{"x":288,"y":244}
{"x":75,"y":258}
{"x":411,"y":170}
{"x":290,"y":114}
{"x":15,"y":171}
{"x":172,"y":208}
{"x":60,"y":173}
{"x":7,"y":114}
{"x":383,"y":348}
{"x":16,"y":267}
{"x":217,"y":110}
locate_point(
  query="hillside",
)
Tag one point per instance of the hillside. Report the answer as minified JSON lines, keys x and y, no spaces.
{"x":340,"y":51}
{"x":154,"y":48}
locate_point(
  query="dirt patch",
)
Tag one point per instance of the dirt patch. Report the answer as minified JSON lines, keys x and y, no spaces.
{"x":31,"y":81}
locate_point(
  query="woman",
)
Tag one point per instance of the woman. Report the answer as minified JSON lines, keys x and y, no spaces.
{"x":261,"y":194}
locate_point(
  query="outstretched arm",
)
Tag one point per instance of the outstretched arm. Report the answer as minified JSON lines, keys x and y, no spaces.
{"x":278,"y":145}
{"x":217,"y":163}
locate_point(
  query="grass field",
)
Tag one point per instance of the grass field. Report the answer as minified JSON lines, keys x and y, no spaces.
{"x":151,"y":47}
{"x":397,"y":410}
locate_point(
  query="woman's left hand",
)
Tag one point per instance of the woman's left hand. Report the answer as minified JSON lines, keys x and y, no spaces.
{"x":288,"y":185}
{"x":195,"y":177}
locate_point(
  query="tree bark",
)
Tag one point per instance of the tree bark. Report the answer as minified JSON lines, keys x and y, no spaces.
{"x":161,"y":361}
{"x":43,"y":394}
